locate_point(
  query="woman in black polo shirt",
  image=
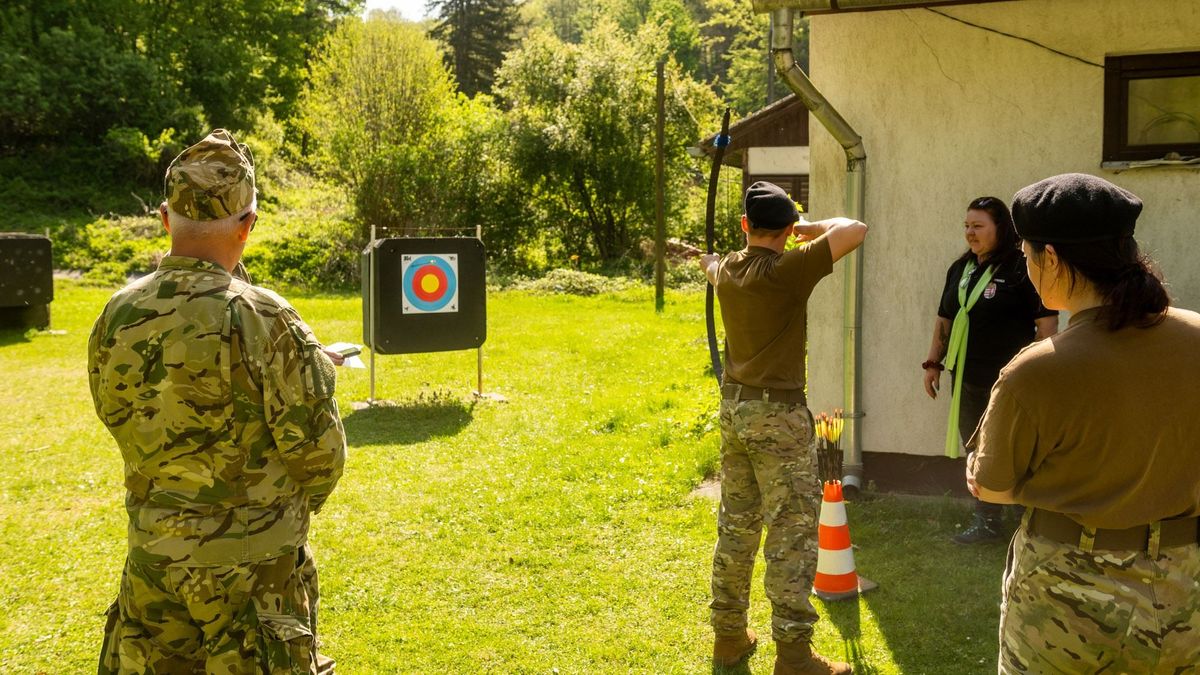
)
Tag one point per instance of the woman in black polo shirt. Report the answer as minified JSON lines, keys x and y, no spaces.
{"x":1003,"y":315}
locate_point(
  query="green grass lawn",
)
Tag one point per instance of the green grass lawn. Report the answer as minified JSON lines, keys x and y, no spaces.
{"x":551,"y":533}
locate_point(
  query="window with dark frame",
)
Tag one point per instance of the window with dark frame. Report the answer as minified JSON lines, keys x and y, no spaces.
{"x":795,"y":185}
{"x":1151,"y":107}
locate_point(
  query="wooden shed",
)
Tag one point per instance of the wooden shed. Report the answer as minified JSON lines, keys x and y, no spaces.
{"x":770,"y":144}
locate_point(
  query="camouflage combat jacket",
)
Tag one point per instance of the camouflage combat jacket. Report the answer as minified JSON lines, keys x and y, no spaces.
{"x":221,"y":402}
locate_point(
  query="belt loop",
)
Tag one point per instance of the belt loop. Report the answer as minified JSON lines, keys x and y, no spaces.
{"x":1087,"y":539}
{"x":1027,"y":519}
{"x":1155,"y":539}
{"x":766,"y":395}
{"x":737,"y":393}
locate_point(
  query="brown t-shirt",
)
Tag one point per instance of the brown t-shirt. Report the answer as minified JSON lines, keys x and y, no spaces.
{"x":1099,"y":425}
{"x":764,"y":306}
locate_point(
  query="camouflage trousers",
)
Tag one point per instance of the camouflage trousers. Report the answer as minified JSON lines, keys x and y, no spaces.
{"x":235,"y":620}
{"x":1069,"y":611}
{"x":768,"y":477}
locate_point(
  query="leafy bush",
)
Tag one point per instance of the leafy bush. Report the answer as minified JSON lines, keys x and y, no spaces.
{"x":575,"y":282}
{"x":110,"y":250}
{"x":44,"y":187}
{"x":727,"y":216}
{"x":306,"y":243}
{"x":133,"y":156}
{"x":130,"y":152}
{"x":321,"y":255}
{"x":685,"y":275}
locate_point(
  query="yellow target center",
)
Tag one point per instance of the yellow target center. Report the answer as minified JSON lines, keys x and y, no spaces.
{"x":429,"y":283}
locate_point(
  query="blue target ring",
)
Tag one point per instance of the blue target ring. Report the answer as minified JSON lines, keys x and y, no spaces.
{"x":422,"y":267}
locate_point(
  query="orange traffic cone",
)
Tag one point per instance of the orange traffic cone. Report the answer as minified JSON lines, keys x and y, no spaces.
{"x":836,"y":577}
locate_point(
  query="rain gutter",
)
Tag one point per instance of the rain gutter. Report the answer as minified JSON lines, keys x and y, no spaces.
{"x":856,"y":165}
{"x":836,"y":6}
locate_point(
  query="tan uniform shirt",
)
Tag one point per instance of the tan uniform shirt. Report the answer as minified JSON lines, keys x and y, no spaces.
{"x":764,"y":307}
{"x":1099,"y":425}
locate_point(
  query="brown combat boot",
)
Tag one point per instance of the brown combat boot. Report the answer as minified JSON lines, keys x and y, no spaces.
{"x":729,"y":650}
{"x":798,"y":658}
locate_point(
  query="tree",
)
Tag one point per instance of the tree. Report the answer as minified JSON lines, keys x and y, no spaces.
{"x":683,"y":33}
{"x":582,"y":119}
{"x":477,"y":33}
{"x":737,"y":53}
{"x":376,"y":109}
{"x":482,"y":187}
{"x":567,"y":20}
{"x":70,"y":71}
{"x":64,"y":76}
{"x":387,"y":123}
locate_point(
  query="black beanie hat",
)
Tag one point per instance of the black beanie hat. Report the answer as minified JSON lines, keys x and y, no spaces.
{"x":768,"y":207}
{"x":1074,"y":208}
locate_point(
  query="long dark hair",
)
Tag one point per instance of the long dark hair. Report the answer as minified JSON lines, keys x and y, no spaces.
{"x":1008,"y":244}
{"x":1132,"y":290}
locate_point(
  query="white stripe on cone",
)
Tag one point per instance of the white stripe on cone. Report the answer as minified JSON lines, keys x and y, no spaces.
{"x":833,"y":514}
{"x":835,"y":562}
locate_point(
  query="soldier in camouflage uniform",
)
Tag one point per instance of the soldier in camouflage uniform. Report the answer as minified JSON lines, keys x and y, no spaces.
{"x":768,"y":449}
{"x":221,"y":401}
{"x":1095,"y":431}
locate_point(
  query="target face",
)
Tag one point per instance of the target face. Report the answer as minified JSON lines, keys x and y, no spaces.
{"x":430,"y":283}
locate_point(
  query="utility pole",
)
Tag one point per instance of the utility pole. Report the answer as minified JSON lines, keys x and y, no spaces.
{"x":770,"y":63}
{"x":660,"y":223}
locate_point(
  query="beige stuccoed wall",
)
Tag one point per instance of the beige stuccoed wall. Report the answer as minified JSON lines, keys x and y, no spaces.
{"x":949,"y":112}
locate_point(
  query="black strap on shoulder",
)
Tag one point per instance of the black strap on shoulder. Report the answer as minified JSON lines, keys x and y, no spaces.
{"x":721,"y":142}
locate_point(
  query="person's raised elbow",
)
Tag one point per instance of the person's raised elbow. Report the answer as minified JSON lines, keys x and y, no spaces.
{"x":845,"y":236}
{"x":857,"y":232}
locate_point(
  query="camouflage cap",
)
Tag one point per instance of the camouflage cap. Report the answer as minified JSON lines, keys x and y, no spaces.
{"x":212,"y":179}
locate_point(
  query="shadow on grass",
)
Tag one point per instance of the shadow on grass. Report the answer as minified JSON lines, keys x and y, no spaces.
{"x":407,"y":422}
{"x":12,"y":336}
{"x":742,"y":668}
{"x":937,"y":606}
{"x":845,"y":615}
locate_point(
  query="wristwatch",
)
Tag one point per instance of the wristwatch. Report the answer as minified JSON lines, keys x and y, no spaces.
{"x":932,"y":364}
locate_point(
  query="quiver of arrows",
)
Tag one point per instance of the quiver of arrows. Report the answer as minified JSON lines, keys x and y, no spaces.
{"x":829,"y":445}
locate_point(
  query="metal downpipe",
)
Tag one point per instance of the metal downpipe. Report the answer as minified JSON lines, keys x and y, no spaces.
{"x":856,"y":164}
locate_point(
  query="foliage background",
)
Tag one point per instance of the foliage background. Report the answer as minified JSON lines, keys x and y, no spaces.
{"x":542,"y":132}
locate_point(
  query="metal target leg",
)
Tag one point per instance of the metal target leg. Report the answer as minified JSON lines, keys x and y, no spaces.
{"x":371,"y":295}
{"x":479,"y":354}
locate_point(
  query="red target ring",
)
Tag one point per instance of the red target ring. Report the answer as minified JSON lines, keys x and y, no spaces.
{"x":430,"y":283}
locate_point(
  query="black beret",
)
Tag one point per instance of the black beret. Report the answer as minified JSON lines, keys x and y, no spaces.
{"x":1074,"y":208}
{"x":769,"y":207}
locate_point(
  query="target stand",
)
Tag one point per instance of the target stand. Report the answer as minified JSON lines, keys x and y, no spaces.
{"x":424,"y":294}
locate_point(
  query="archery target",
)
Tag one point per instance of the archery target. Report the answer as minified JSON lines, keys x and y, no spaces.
{"x":430,"y":283}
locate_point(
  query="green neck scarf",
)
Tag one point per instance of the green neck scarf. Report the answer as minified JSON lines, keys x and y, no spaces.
{"x":956,"y":354}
